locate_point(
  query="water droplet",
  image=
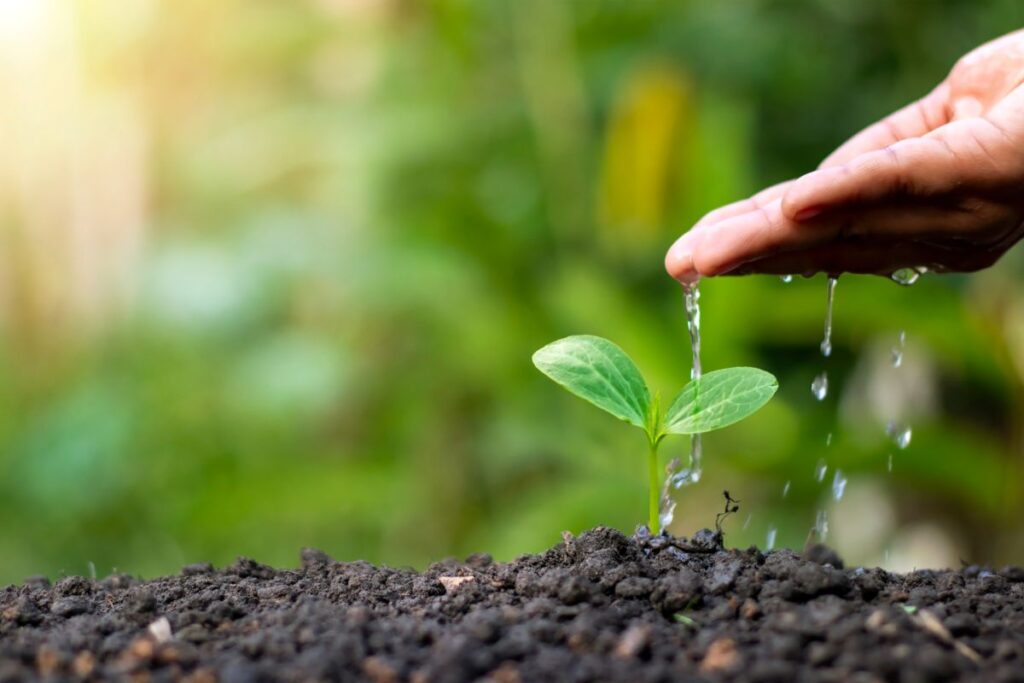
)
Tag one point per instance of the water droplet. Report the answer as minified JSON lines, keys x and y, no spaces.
{"x":890,"y":462}
{"x":786,"y":278}
{"x":900,"y":434}
{"x":785,"y":489}
{"x":819,"y":387}
{"x":826,"y":342}
{"x":838,"y":485}
{"x":828,"y":440}
{"x":821,"y":525}
{"x":746,"y":522}
{"x":820,"y":470}
{"x":769,"y":541}
{"x":905,"y":276}
{"x":897,"y":351}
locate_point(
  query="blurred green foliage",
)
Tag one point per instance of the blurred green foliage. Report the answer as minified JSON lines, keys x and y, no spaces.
{"x":366,"y":216}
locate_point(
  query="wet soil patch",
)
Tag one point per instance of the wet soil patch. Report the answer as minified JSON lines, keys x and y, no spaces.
{"x":597,"y":607}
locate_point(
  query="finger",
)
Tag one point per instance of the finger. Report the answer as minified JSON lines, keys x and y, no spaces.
{"x":875,"y":258}
{"x":918,"y":168}
{"x":755,"y":234}
{"x":768,"y":232}
{"x":914,"y":120}
{"x":762,"y":198}
{"x":679,"y":258}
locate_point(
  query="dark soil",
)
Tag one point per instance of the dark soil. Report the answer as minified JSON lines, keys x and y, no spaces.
{"x":598,"y":607}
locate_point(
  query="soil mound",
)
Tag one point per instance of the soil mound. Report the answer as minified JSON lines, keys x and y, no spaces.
{"x":598,"y":607}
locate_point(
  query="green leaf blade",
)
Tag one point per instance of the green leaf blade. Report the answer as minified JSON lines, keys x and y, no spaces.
{"x":719,"y":399}
{"x":600,"y":372}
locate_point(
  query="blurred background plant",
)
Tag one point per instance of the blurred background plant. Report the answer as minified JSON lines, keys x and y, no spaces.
{"x":271,"y":273}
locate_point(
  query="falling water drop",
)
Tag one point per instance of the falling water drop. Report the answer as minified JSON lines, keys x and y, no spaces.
{"x":786,"y":278}
{"x":785,"y":489}
{"x":769,"y":541}
{"x":899,"y":433}
{"x":820,"y":470}
{"x":821,"y":525}
{"x":819,"y":387}
{"x":746,"y":522}
{"x":897,"y":351}
{"x":828,"y":440}
{"x":838,"y":485}
{"x":890,"y":463}
{"x":826,"y":342}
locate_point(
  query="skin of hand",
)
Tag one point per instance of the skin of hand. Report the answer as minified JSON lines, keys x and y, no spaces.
{"x":939,"y":183}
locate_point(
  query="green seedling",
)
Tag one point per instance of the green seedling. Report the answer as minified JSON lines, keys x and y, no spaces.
{"x":681,"y":618}
{"x":600,"y":372}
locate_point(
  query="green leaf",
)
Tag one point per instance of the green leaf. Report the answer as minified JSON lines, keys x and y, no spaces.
{"x":719,"y":399}
{"x":600,"y":372}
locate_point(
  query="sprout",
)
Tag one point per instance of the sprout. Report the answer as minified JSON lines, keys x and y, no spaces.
{"x":600,"y":372}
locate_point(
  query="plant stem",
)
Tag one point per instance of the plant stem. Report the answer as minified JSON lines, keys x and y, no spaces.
{"x":652,"y":494}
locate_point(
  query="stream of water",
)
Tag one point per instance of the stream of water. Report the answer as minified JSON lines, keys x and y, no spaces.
{"x":819,"y":387}
{"x":677,"y":478}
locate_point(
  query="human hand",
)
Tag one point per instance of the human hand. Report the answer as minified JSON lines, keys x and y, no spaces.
{"x":939,"y":183}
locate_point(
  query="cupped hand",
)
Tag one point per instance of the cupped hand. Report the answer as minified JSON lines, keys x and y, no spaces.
{"x":939,"y":183}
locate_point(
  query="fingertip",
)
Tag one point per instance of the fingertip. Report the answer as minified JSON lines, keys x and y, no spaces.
{"x":712,"y":258}
{"x":679,"y":258}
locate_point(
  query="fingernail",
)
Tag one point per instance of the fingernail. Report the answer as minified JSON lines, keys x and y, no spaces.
{"x":679,"y":259}
{"x":807,"y":214}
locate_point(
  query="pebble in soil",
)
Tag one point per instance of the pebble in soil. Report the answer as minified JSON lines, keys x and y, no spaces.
{"x":600,"y":606}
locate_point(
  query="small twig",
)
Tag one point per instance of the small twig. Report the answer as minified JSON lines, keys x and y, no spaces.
{"x":731,"y":505}
{"x":933,"y":625}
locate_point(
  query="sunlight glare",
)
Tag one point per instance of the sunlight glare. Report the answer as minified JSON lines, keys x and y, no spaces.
{"x":20,"y":20}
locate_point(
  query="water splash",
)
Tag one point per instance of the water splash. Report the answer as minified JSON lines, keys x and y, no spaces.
{"x":819,"y":386}
{"x":666,"y":511}
{"x":820,"y":470}
{"x":908,"y":276}
{"x":677,"y":478}
{"x":897,"y":350}
{"x":786,"y":278}
{"x":785,"y":489}
{"x":826,"y":342}
{"x":769,"y":540}
{"x":899,"y":433}
{"x":838,"y":485}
